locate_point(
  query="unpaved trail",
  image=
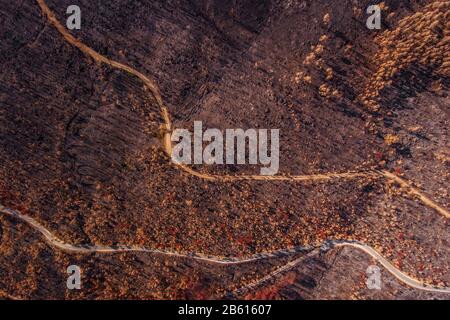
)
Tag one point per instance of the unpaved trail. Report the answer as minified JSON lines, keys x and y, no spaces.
{"x":83,"y":249}
{"x":330,"y":244}
{"x":167,"y":143}
{"x":327,"y":245}
{"x":416,"y":193}
{"x":288,"y":266}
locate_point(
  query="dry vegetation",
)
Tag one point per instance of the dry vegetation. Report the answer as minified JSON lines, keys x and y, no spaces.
{"x":418,"y":45}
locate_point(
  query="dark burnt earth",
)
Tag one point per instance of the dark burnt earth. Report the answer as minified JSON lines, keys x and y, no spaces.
{"x":80,"y":146}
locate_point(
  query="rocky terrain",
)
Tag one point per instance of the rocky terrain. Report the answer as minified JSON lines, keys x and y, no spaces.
{"x":81,"y":147}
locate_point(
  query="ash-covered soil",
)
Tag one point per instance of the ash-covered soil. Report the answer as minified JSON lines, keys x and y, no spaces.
{"x":80,"y":145}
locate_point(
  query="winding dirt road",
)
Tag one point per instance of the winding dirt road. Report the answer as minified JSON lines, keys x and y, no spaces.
{"x":167,"y":145}
{"x":327,"y":245}
{"x":57,"y":243}
{"x":330,"y":244}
